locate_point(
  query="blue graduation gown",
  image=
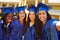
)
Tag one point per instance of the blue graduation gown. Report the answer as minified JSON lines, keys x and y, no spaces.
{"x":49,"y":31}
{"x":0,"y":31}
{"x":30,"y":34}
{"x":2,"y":35}
{"x":6,"y":36}
{"x":59,"y":35}
{"x":17,"y":31}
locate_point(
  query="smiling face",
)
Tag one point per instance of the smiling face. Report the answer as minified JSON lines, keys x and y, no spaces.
{"x":9,"y":18}
{"x":31,"y":16}
{"x":22,"y":15}
{"x":42,"y":15}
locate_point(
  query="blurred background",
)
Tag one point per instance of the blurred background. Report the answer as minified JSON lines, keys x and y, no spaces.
{"x":55,"y":4}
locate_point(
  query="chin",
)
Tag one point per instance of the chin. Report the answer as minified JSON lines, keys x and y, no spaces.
{"x":9,"y":20}
{"x":42,"y":20}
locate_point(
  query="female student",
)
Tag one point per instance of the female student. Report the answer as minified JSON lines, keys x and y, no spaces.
{"x":5,"y":29}
{"x":31,"y":29}
{"x":49,"y":27}
{"x":18,"y":24}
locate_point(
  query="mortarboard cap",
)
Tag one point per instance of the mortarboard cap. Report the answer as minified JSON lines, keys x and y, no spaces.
{"x":44,"y":7}
{"x":6,"y":10}
{"x":21,"y":8}
{"x":32,"y":8}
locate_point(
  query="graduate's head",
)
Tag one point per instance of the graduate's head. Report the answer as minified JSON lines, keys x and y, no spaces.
{"x":43,"y":14}
{"x":8,"y":18}
{"x":7,"y":14}
{"x":32,"y":12}
{"x":21,"y":12}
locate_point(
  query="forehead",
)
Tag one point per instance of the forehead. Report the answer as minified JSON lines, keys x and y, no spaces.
{"x":10,"y":14}
{"x":42,"y":11}
{"x":32,"y":12}
{"x":21,"y":12}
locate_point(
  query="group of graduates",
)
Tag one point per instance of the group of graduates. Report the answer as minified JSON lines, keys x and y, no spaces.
{"x":38,"y":26}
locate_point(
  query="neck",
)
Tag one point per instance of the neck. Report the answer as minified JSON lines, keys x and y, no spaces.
{"x":32,"y":21}
{"x":44,"y":23}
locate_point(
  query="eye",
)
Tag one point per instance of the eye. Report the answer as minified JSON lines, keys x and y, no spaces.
{"x":43,"y":13}
{"x":33,"y":14}
{"x":9,"y":16}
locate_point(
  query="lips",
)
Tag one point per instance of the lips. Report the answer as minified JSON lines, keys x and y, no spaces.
{"x":22,"y":16}
{"x":42,"y":18}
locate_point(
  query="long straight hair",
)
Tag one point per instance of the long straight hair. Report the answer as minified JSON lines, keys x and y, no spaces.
{"x":37,"y":31}
{"x":24,"y":21}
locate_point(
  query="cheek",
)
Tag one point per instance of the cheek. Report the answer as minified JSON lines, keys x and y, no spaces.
{"x":42,"y":18}
{"x":33,"y":16}
{"x":39,"y":16}
{"x":19,"y":15}
{"x":8,"y":19}
{"x":23,"y":15}
{"x":45,"y":16}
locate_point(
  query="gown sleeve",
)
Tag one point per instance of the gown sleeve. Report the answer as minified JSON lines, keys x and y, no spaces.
{"x":54,"y":32}
{"x":50,"y":32}
{"x":0,"y":31}
{"x":17,"y":30}
{"x":30,"y":34}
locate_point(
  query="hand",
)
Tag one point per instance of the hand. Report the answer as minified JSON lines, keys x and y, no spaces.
{"x":58,"y":25}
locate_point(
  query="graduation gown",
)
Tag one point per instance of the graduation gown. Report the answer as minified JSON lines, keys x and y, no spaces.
{"x":0,"y":30}
{"x":49,"y":31}
{"x":4,"y":36}
{"x":30,"y":34}
{"x":59,"y":35}
{"x":17,"y":31}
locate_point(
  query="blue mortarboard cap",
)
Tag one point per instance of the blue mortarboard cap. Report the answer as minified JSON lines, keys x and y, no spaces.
{"x":21,"y":8}
{"x":6,"y":10}
{"x":42,"y":6}
{"x":32,"y":8}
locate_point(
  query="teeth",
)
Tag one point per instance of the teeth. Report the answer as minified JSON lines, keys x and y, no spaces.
{"x":22,"y":16}
{"x":9,"y":20}
{"x":42,"y":18}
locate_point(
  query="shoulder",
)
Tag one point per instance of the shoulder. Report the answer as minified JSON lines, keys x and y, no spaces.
{"x":15,"y":21}
{"x":53,"y":22}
